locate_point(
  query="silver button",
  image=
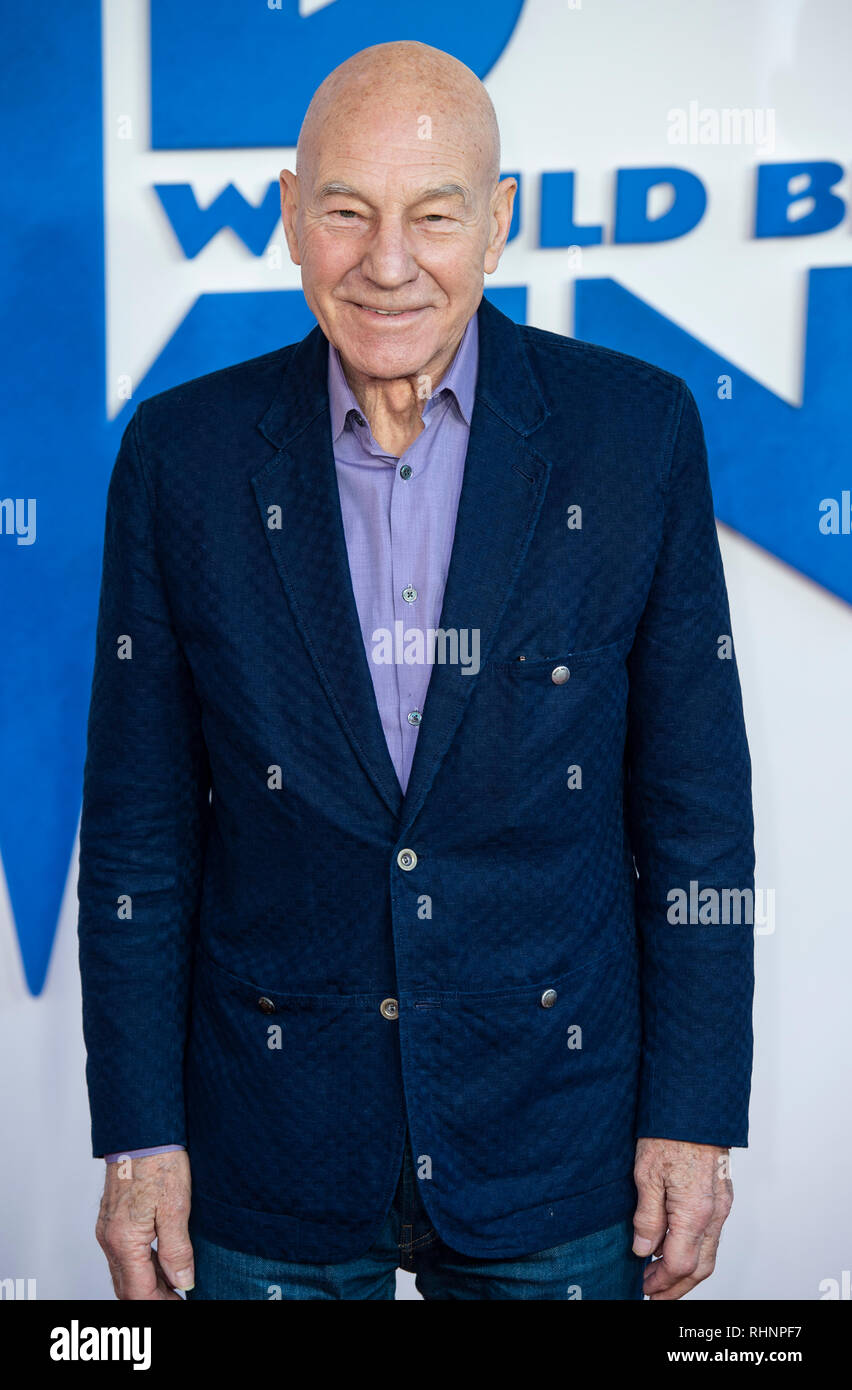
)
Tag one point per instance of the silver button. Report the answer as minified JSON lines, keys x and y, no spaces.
{"x":405,"y":472}
{"x":406,"y":859}
{"x":414,"y":716}
{"x":548,"y":999}
{"x":409,"y":593}
{"x":559,"y":675}
{"x":265,"y":1005}
{"x":389,"y":1008}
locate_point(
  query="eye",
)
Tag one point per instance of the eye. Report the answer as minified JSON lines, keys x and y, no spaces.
{"x":435,"y":216}
{"x":344,"y":212}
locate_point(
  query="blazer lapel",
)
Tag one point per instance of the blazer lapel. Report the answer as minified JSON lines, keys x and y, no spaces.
{"x":309,"y":550}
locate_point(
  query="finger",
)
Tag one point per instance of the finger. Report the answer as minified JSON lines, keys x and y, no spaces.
{"x":174,"y":1250}
{"x":687,"y":1258}
{"x":165,"y":1289}
{"x":137,"y":1275}
{"x":649,"y":1218}
{"x":677,"y":1290}
{"x":681,"y":1253}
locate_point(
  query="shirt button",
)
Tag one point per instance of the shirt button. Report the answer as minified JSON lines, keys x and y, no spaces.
{"x":405,"y":472}
{"x":559,"y":675}
{"x":265,"y":1005}
{"x":389,"y":1008}
{"x":406,"y":859}
{"x":414,"y":716}
{"x":359,"y":420}
{"x":548,"y":999}
{"x":409,"y":594}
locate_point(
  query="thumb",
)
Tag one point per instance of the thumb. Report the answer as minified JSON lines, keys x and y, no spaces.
{"x":174,"y":1251}
{"x":649,"y":1219}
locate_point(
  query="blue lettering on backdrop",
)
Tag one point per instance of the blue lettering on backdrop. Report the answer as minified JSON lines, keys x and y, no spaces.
{"x":776,"y":197}
{"x":632,"y":223}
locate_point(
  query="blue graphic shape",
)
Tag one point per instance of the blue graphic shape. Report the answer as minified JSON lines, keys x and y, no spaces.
{"x":774,"y":198}
{"x":221,"y":329}
{"x":230,"y":74}
{"x":511,"y":300}
{"x":557,"y":226}
{"x":771,"y":462}
{"x":632,"y":223}
{"x":194,"y":226}
{"x":58,"y":449}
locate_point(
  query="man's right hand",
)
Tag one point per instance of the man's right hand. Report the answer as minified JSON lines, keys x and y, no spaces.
{"x":146,"y":1198}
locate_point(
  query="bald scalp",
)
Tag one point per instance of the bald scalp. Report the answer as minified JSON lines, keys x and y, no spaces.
{"x":404,"y":75}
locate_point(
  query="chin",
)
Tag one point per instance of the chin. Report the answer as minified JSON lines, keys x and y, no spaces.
{"x":385,"y":359}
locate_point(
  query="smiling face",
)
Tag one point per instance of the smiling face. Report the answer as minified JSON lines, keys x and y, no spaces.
{"x":394,"y":231}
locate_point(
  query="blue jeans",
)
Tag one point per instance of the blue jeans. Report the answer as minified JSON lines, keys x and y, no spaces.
{"x":598,"y":1266}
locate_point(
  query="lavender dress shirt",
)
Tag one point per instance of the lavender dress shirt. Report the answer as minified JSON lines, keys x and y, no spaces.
{"x":399,"y":518}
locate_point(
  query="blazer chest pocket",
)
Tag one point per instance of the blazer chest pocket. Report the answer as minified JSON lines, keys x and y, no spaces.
{"x":559,"y":668}
{"x":553,"y":725}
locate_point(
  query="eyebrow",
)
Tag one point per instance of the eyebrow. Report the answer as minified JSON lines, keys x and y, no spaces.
{"x":444,"y":190}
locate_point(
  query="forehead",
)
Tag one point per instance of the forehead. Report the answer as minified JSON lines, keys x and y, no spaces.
{"x":404,"y":148}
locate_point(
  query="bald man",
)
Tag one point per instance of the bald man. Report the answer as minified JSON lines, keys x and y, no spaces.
{"x":414,"y":710}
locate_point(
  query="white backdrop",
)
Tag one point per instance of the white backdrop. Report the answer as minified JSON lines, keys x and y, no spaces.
{"x":588,"y":89}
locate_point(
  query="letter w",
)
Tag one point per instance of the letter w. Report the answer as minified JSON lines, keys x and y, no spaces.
{"x":195,"y":226}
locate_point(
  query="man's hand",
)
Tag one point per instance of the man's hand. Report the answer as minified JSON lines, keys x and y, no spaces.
{"x":144,"y":1198}
{"x":685,"y":1194}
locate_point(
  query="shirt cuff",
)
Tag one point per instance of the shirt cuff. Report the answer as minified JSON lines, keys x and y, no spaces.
{"x":143,"y":1153}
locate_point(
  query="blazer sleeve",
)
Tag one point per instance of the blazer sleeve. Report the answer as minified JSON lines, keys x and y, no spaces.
{"x":689,"y":810}
{"x":145,"y":810}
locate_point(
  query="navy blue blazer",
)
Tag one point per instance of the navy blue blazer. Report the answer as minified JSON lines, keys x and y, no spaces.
{"x":246,"y":908}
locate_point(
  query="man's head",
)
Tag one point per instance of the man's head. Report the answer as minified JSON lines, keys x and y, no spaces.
{"x":397,"y":204}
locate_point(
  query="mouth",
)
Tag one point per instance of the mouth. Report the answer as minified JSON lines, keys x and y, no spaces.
{"x":388,"y":315}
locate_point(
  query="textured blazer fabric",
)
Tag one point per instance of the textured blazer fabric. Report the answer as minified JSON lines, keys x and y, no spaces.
{"x":245,"y":909}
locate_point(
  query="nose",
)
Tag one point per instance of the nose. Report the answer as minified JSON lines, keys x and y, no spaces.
{"x":388,"y":260}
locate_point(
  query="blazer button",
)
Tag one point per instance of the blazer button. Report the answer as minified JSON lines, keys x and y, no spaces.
{"x":265,"y":1005}
{"x":406,"y":859}
{"x":548,"y":999}
{"x":389,"y":1008}
{"x":559,"y":675}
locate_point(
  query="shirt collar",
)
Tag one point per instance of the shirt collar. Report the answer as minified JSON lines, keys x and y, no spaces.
{"x":459,"y":379}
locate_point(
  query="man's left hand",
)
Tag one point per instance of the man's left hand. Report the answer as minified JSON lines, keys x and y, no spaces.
{"x":685,"y":1194}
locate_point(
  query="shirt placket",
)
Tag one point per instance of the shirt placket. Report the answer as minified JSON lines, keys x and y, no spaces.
{"x":410,"y":591}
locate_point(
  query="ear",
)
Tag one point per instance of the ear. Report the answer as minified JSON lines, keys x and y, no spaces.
{"x":502,"y":203}
{"x":289,"y":209}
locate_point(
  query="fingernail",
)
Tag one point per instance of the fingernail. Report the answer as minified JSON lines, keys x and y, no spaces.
{"x":641,"y":1246}
{"x":184,"y":1280}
